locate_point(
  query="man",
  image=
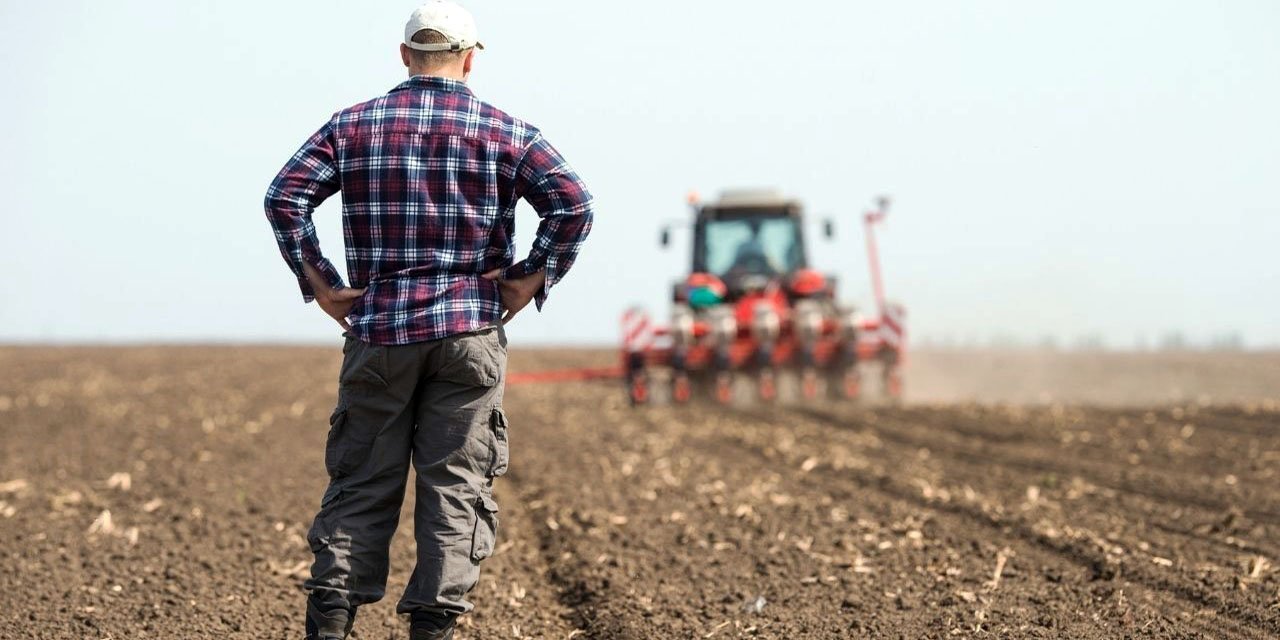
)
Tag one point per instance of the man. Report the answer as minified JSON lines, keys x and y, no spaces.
{"x":430,"y":177}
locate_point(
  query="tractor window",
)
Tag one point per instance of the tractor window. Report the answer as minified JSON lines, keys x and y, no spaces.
{"x":768,"y":246}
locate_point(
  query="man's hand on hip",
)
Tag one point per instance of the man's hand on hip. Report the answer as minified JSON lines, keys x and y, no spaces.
{"x":335,"y":302}
{"x":516,"y":292}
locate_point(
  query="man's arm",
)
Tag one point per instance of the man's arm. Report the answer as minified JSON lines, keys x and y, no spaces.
{"x":309,"y":177}
{"x":563,"y":203}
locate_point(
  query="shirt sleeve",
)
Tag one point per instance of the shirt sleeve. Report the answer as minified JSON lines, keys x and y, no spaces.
{"x":562,"y":201}
{"x":306,"y":180}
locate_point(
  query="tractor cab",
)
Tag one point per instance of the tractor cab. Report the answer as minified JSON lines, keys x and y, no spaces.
{"x":748,"y":240}
{"x":749,"y":243}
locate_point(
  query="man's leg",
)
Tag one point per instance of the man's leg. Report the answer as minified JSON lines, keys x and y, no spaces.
{"x":367,"y":458}
{"x":460,"y":446}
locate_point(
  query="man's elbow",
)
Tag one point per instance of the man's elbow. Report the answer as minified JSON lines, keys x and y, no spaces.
{"x":277,"y":204}
{"x":587,"y":218}
{"x":580,"y":213}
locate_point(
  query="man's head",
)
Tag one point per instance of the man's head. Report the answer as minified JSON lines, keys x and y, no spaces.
{"x":440,"y":40}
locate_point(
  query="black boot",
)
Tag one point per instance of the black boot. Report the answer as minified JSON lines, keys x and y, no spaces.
{"x":431,"y":626}
{"x":333,"y":624}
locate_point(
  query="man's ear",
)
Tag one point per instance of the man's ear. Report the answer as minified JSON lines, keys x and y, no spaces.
{"x":466,"y":62}
{"x":404,"y":54}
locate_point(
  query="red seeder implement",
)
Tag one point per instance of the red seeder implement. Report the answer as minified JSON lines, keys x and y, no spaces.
{"x":752,"y":307}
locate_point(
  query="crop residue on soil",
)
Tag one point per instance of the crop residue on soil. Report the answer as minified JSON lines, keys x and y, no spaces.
{"x":165,"y":493}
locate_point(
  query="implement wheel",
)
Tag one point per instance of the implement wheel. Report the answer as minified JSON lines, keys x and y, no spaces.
{"x":680,"y":388}
{"x":639,"y":391}
{"x":724,"y":387}
{"x":809,"y":384}
{"x":768,"y":386}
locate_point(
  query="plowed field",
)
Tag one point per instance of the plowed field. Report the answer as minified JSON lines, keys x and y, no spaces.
{"x":165,"y":492}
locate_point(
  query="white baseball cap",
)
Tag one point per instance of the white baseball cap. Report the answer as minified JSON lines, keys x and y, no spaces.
{"x":448,"y":18}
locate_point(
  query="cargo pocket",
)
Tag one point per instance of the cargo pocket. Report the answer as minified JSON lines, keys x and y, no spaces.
{"x":364,"y":367}
{"x":344,"y":451}
{"x":474,"y":359}
{"x":500,"y":451}
{"x":485,"y":535}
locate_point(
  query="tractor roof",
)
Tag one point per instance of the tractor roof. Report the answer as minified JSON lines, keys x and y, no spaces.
{"x":737,"y":202}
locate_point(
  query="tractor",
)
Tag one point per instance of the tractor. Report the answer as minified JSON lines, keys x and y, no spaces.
{"x":752,"y":305}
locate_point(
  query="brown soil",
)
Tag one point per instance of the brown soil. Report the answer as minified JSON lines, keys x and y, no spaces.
{"x":930,"y":520}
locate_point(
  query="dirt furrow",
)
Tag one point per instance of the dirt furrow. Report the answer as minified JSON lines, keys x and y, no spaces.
{"x":1026,"y":540}
{"x":1157,"y":438}
{"x":1011,"y":612}
{"x":1234,"y":531}
{"x":1209,"y":493}
{"x":1256,"y":614}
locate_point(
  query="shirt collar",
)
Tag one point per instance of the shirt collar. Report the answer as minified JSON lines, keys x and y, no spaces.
{"x":434,"y":83}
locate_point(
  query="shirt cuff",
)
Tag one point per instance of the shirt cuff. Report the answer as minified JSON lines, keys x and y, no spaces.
{"x":518,"y":270}
{"x":331,"y":276}
{"x":308,"y":293}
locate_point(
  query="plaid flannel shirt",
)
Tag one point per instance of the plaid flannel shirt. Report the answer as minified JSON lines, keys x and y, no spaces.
{"x":430,"y":176}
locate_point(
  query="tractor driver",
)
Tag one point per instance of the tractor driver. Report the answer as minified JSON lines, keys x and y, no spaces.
{"x":751,"y":258}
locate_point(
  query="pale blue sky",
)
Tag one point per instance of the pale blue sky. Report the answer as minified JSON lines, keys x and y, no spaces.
{"x":1057,"y":168}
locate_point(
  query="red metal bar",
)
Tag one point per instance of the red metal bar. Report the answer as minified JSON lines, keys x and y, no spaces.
{"x":869,"y":219}
{"x":565,"y":375}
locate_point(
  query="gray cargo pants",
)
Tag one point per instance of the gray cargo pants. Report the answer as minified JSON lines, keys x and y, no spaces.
{"x":439,"y":405}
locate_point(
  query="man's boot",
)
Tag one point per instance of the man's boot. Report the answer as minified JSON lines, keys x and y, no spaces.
{"x":333,"y":624}
{"x":430,"y":626}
